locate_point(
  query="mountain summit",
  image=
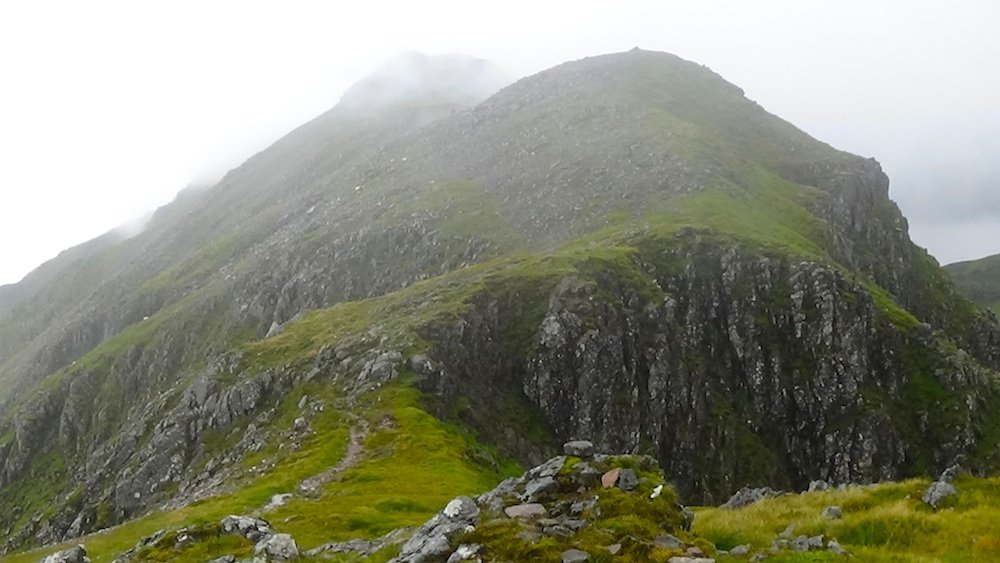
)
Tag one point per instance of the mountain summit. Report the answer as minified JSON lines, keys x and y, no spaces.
{"x":403,"y":301}
{"x":415,"y":78}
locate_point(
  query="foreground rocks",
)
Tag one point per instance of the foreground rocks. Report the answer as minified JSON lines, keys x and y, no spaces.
{"x":581,"y":504}
{"x":432,"y":541}
{"x":268,"y":544}
{"x":937,"y":492}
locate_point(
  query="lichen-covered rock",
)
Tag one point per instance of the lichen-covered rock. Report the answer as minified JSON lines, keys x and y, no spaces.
{"x":362,"y":547}
{"x":465,"y":552}
{"x":949,"y":474}
{"x":628,"y":480}
{"x":277,"y":547}
{"x":669,"y":541}
{"x":748,"y":495}
{"x":579,"y":448}
{"x":431,"y":542}
{"x":574,"y":556}
{"x":528,"y":510}
{"x":818,"y":485}
{"x":76,"y":554}
{"x":253,"y":529}
{"x":937,"y":492}
{"x":539,"y":488}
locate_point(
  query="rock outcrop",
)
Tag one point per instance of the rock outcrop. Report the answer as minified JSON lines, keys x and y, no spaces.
{"x":733,"y":367}
{"x":577,"y":516}
{"x":76,"y":554}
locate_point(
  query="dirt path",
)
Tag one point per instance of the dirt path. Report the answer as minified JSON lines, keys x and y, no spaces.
{"x":355,"y":449}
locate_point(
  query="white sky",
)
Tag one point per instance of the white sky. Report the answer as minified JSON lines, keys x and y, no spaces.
{"x":108,"y":108}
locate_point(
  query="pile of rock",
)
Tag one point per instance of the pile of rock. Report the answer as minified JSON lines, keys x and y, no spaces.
{"x":269,"y":546}
{"x":788,"y":541}
{"x":557,"y":499}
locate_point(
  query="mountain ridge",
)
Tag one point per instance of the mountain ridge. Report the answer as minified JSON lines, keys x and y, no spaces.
{"x":979,"y":280}
{"x":650,"y":261}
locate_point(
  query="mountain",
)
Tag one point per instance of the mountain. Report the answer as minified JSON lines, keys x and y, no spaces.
{"x":418,"y":292}
{"x":979,"y":280}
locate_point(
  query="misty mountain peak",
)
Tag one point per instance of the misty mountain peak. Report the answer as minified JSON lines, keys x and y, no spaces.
{"x":414,"y":76}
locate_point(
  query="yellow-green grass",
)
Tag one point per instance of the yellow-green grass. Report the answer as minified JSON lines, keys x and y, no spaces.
{"x":414,"y":465}
{"x":411,"y":467}
{"x":881,"y":523}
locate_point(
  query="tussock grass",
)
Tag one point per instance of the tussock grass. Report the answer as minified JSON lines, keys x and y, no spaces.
{"x":884,"y":522}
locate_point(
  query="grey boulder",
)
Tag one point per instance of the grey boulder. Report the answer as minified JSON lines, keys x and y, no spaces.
{"x":76,"y":554}
{"x":832,"y":513}
{"x":530,"y":510}
{"x":253,"y":529}
{"x":747,"y":496}
{"x":579,"y":448}
{"x":937,"y":492}
{"x":431,"y":542}
{"x":627,"y":480}
{"x":574,"y":556}
{"x":277,"y":547}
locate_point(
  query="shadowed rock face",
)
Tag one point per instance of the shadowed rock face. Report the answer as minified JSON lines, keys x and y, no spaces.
{"x":732,"y":357}
{"x":749,"y":369}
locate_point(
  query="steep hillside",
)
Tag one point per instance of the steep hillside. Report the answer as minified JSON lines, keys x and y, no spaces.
{"x":622,"y":248}
{"x":979,"y":280}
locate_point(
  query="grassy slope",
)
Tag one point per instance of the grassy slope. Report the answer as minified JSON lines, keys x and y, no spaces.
{"x":881,"y":523}
{"x":414,"y":468}
{"x":411,"y":469}
{"x":979,"y":280}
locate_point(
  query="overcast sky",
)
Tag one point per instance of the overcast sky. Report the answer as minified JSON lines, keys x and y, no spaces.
{"x":107,"y":109}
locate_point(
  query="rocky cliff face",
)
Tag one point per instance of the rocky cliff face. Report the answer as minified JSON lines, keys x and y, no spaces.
{"x":734,"y":367}
{"x":623,"y":248}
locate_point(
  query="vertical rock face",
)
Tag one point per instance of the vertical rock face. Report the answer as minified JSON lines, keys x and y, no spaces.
{"x":743,"y":369}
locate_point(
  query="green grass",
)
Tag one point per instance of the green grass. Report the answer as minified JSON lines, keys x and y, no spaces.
{"x":412,"y":467}
{"x":459,"y":209}
{"x":978,"y":279}
{"x":881,"y":523}
{"x":416,"y":465}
